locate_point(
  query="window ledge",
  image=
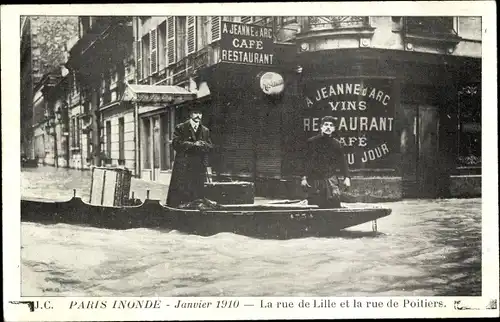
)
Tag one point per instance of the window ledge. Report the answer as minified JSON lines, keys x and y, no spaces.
{"x":443,"y":39}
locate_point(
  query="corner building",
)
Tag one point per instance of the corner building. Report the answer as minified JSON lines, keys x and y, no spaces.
{"x":395,"y":85}
{"x":405,"y":92}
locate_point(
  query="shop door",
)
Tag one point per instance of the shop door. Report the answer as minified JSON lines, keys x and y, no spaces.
{"x":156,"y":147}
{"x":409,"y":149}
{"x":428,"y":166}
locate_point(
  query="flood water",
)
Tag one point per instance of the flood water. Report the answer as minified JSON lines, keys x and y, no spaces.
{"x":424,"y":248}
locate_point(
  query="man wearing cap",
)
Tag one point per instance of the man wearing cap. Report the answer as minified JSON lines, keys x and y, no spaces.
{"x":324,"y":161}
{"x":192,"y":145}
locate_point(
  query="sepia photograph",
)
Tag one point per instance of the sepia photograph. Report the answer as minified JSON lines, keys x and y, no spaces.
{"x":251,"y":156}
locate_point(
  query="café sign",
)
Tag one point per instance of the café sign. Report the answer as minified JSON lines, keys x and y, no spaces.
{"x":246,"y":44}
{"x":272,"y":83}
{"x":364,"y":112}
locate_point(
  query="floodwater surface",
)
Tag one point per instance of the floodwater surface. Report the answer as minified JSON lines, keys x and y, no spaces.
{"x":424,"y":248}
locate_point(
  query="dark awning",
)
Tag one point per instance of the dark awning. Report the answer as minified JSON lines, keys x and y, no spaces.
{"x":160,"y":94}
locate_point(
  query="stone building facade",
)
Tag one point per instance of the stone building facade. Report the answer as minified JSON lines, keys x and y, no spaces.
{"x":43,"y":52}
{"x":406,"y":92}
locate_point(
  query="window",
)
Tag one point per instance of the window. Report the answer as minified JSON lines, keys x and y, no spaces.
{"x":140,"y":74}
{"x":469,"y":126}
{"x":288,"y":20}
{"x":181,"y":37}
{"x":162,"y":46}
{"x":145,"y":56}
{"x":202,"y":32}
{"x":108,"y":139}
{"x":429,"y":25}
{"x":121,"y":139}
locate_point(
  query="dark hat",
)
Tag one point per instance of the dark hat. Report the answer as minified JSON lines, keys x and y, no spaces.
{"x":195,"y":107}
{"x":327,"y":118}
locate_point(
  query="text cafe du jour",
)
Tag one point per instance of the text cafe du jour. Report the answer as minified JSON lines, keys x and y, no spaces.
{"x":364,"y":115}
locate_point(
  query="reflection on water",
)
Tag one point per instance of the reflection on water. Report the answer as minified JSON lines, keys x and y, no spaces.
{"x":425,"y":247}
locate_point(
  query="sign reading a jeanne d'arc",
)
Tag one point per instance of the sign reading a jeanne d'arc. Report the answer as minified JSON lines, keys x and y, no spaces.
{"x":246,"y":44}
{"x":363,"y":111}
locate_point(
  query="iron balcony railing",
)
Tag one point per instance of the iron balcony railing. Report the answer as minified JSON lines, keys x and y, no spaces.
{"x":336,"y":22}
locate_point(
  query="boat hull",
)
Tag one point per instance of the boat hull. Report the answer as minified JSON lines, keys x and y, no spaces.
{"x":260,"y":222}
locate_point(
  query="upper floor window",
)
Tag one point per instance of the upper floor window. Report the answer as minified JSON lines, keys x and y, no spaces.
{"x":203,"y":28}
{"x":336,"y":22}
{"x":263,"y":21}
{"x":162,"y":45}
{"x":181,"y":42}
{"x":430,"y":25}
{"x":145,"y":55}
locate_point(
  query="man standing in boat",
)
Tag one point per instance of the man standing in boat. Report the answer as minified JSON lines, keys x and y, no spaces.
{"x":192,"y":145}
{"x":324,"y":161}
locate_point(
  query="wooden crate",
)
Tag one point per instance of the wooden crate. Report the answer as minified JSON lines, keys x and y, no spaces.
{"x":227,"y":193}
{"x":110,"y":186}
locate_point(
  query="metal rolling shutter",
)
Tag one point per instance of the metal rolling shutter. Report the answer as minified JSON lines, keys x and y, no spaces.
{"x":268,"y":142}
{"x":237,"y":154}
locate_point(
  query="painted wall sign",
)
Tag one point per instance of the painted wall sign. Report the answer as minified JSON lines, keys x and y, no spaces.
{"x":272,"y":83}
{"x":364,"y":111}
{"x":246,"y":44}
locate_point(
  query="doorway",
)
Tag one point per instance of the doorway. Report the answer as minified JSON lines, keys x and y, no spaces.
{"x":157,"y":152}
{"x":429,"y":170}
{"x":421,"y":165}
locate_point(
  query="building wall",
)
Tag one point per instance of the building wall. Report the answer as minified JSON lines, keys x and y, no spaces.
{"x":382,"y":35}
{"x":389,"y":33}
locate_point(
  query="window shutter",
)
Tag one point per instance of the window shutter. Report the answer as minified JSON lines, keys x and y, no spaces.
{"x":139,"y":59}
{"x":215,"y":28}
{"x":153,"y":52}
{"x":246,"y":19}
{"x":191,"y":34}
{"x":171,"y":55}
{"x":165,"y":45}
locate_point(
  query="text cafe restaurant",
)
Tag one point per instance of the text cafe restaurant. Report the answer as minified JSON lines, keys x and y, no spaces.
{"x":268,"y":98}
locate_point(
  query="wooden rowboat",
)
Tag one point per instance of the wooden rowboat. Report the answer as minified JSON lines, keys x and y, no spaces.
{"x":278,"y":221}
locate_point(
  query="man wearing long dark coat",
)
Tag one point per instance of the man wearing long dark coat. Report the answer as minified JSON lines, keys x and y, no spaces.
{"x":192,"y":145}
{"x":324,"y":162}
